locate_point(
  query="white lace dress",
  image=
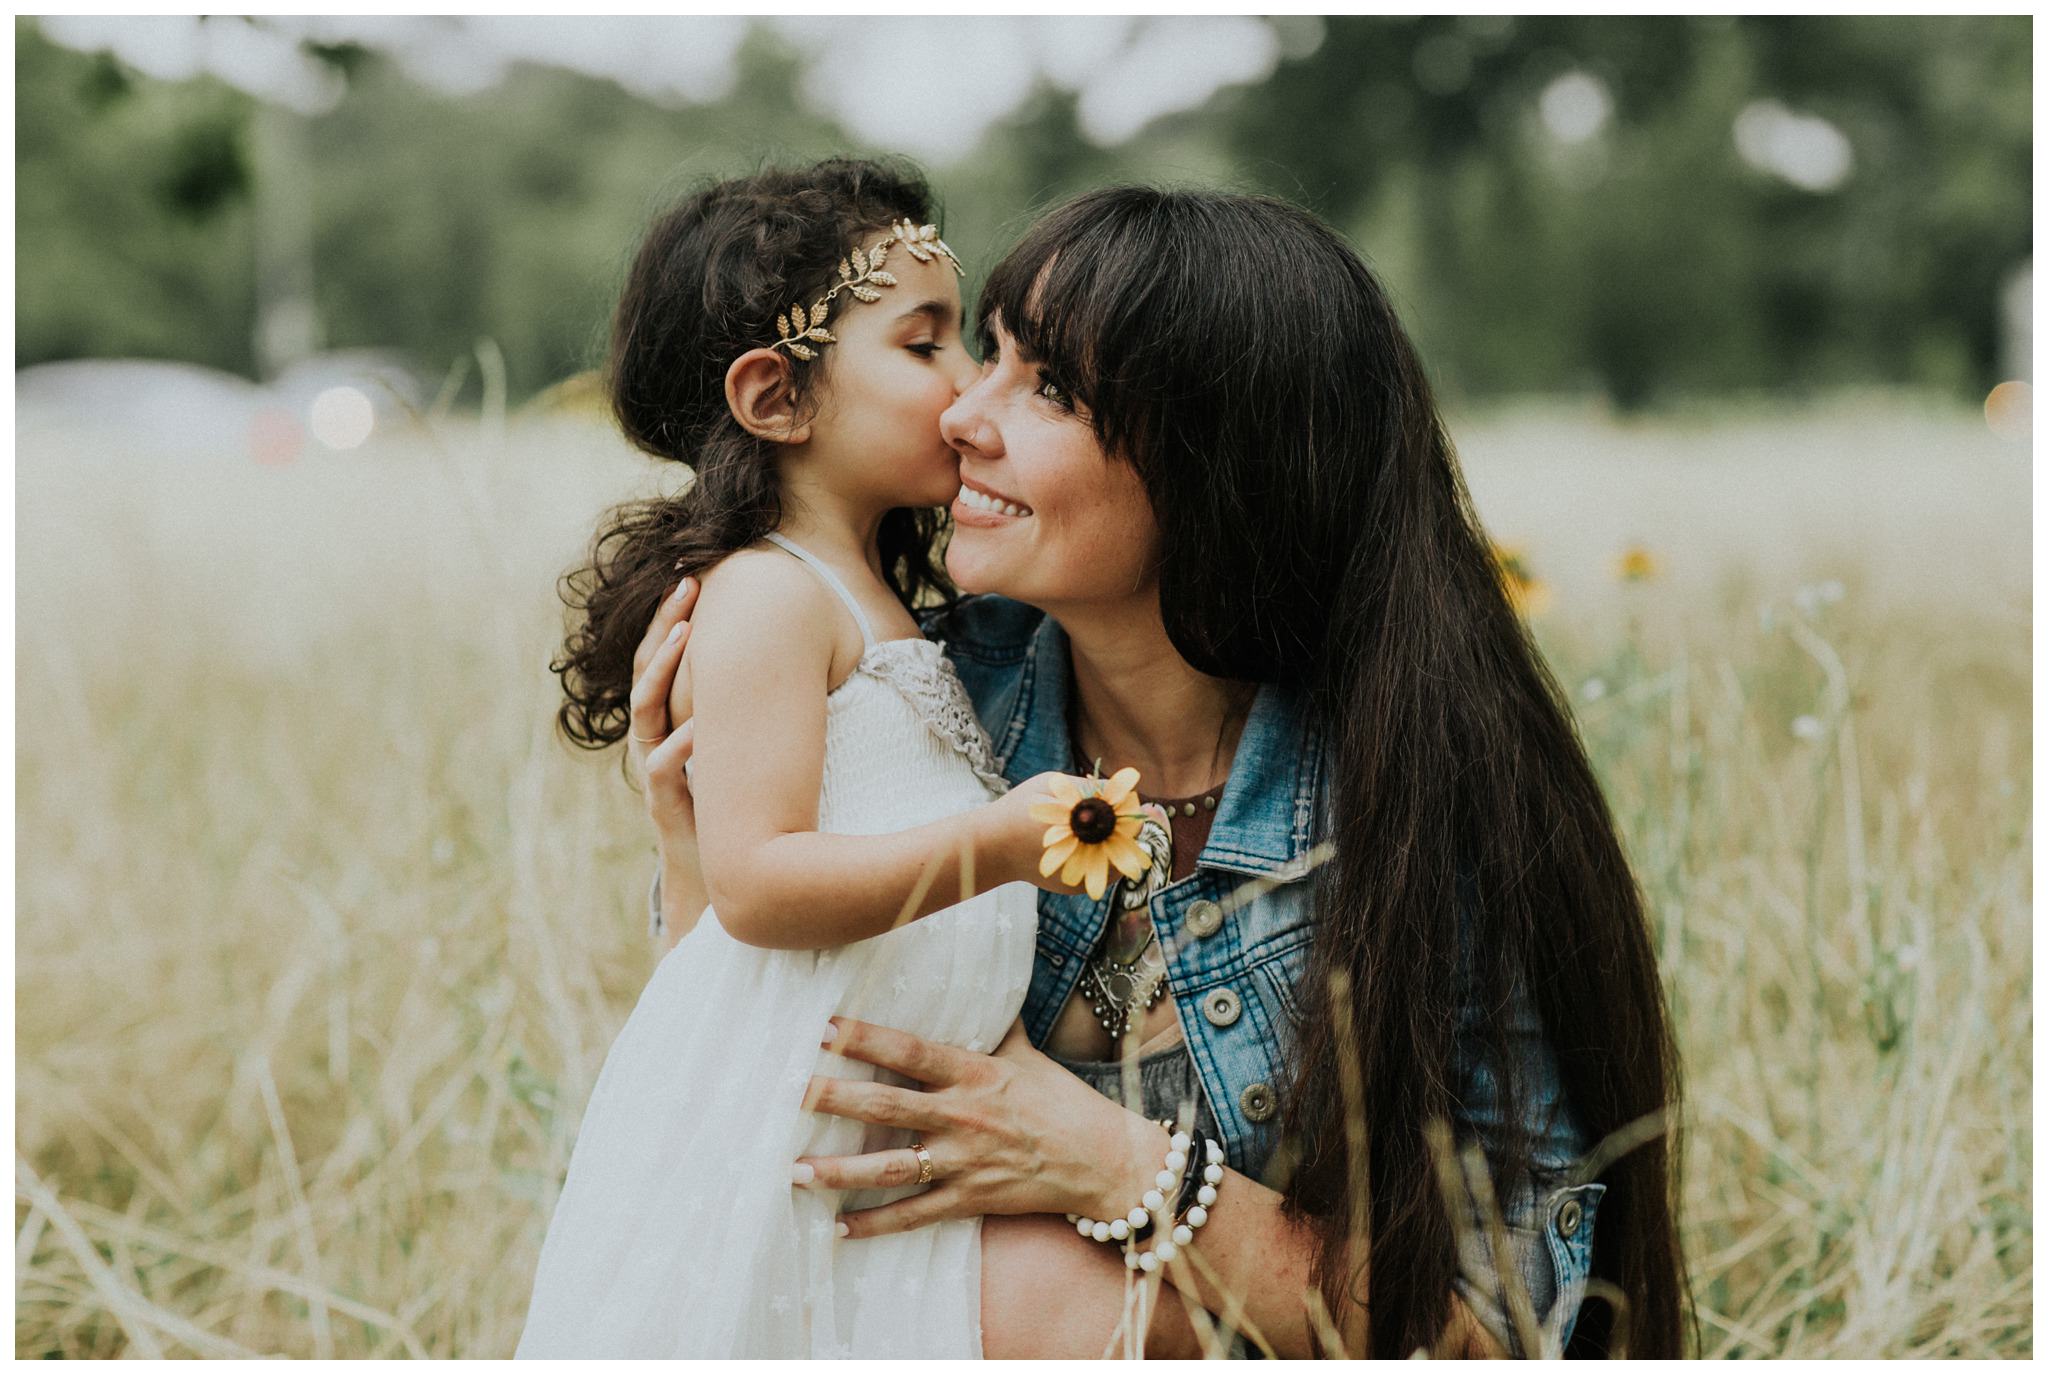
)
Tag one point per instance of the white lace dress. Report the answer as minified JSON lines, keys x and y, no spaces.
{"x":678,"y":1232}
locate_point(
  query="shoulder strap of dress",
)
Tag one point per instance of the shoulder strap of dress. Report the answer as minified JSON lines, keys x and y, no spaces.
{"x":867,"y":633}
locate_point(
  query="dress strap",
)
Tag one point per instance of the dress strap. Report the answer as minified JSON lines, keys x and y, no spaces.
{"x":867,"y":632}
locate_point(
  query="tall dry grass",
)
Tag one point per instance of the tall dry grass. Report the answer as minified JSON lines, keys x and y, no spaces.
{"x":322,"y":932}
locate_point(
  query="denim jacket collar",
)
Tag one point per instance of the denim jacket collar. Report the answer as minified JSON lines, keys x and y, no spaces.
{"x":1265,"y":816}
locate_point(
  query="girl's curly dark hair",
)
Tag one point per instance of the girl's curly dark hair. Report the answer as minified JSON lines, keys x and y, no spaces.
{"x":704,"y":287}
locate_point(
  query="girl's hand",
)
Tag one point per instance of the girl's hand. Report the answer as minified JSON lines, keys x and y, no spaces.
{"x":1011,"y":1132}
{"x":1013,"y":841}
{"x":1020,"y":822}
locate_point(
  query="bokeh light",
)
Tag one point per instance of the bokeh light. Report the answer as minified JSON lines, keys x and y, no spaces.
{"x":341,"y":418}
{"x":2009,"y":411}
{"x":1575,"y":107}
{"x":1806,"y":150}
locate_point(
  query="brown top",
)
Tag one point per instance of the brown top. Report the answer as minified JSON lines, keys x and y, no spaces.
{"x":1190,"y":833}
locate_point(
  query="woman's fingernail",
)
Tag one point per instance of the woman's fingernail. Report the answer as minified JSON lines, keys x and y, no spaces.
{"x":676,"y":633}
{"x":843,"y":1228}
{"x":802,"y":1174}
{"x":831,"y":1034}
{"x":684,"y":586}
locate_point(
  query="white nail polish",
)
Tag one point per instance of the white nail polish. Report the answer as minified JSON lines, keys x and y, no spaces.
{"x":842,"y":1228}
{"x":675,"y":632}
{"x":802,"y":1173}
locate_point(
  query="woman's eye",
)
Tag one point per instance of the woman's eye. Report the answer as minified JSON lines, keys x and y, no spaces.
{"x":1054,"y":392}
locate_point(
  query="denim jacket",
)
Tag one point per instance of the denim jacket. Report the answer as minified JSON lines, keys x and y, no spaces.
{"x":1236,"y":936}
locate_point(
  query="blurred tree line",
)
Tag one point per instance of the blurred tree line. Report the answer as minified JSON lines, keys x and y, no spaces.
{"x":1645,"y":259}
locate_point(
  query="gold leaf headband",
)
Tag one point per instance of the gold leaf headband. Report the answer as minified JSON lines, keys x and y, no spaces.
{"x":859,"y":274}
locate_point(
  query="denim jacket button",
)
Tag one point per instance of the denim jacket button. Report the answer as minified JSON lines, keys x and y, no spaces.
{"x":1205,"y":918}
{"x":1222,"y":1007}
{"x":1258,"y":1102}
{"x":1568,"y":1216}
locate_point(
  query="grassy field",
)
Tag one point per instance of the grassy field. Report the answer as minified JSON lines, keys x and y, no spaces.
{"x":322,"y":932}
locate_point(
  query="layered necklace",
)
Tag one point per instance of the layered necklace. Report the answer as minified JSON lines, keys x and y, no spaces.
{"x":1126,"y":975}
{"x":1120,"y":981}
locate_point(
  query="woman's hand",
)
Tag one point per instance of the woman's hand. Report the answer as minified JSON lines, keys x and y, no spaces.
{"x":658,"y":749}
{"x":1011,"y":1132}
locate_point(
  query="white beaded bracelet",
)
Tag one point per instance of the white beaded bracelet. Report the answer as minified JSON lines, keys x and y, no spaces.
{"x":1165,"y":1183}
{"x":1153,"y":1209}
{"x":1167,"y":1247}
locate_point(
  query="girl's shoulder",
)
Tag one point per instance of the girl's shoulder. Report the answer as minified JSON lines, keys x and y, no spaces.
{"x":759,"y":600}
{"x":758,"y":577}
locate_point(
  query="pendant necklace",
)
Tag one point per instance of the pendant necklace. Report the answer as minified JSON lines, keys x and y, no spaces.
{"x":1120,"y":985}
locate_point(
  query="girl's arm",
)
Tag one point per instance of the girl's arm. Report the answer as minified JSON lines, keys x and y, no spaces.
{"x":760,"y":655}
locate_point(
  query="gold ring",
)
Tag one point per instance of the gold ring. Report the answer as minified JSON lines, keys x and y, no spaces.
{"x":924,"y":1162}
{"x":654,"y":740}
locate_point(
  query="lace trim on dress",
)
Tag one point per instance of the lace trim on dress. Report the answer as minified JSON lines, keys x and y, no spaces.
{"x":933,"y":688}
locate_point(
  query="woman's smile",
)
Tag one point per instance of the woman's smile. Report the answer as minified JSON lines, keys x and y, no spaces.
{"x":981,"y":507}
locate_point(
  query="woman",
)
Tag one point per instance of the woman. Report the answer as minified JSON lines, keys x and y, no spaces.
{"x":1218,"y":534}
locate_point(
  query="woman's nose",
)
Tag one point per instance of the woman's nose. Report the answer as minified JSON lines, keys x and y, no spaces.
{"x":964,"y":424}
{"x":965,"y":371}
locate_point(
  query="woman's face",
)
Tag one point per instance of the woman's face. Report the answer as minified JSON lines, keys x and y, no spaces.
{"x":1043,"y":515}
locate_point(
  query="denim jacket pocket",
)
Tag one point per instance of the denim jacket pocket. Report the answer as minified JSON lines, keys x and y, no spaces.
{"x":1280,"y":974}
{"x":1568,"y":1229}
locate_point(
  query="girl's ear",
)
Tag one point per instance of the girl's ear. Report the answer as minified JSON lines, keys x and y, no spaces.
{"x":759,"y":394}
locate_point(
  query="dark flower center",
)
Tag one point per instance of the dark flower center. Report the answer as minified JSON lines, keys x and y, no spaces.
{"x":1093,"y":821}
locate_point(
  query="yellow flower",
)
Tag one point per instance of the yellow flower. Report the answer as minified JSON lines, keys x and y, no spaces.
{"x":1091,"y":824}
{"x":1528,"y":593}
{"x":1635,"y":564}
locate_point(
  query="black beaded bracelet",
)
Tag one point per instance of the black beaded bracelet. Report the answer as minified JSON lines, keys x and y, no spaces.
{"x":1190,"y":1184}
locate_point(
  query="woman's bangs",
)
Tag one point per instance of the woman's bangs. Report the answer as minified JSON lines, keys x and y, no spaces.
{"x":1055,"y":298}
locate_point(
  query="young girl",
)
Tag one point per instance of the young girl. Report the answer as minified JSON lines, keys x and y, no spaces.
{"x":793,"y":336}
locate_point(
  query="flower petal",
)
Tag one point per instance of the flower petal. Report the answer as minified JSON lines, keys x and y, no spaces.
{"x":1063,"y":790}
{"x":1059,"y":832}
{"x":1130,"y":825}
{"x":1057,"y":855}
{"x":1098,"y":874}
{"x":1049,"y":812}
{"x":1120,"y":786}
{"x":1077,"y":864}
{"x":1130,"y":858}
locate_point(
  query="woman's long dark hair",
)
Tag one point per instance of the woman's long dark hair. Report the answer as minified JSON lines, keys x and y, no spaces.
{"x":1316,"y":531}
{"x":705,"y":287}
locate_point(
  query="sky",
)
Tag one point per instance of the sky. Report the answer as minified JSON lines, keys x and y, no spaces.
{"x":928,"y":86}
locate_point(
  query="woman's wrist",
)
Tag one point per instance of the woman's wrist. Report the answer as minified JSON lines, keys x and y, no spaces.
{"x":680,"y":887}
{"x":1122,"y":1174}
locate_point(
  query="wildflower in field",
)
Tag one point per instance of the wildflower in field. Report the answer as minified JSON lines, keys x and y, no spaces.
{"x":1593,"y":689}
{"x":1529,"y":593}
{"x":1808,"y":727}
{"x":1091,"y":824}
{"x":1635,"y":564}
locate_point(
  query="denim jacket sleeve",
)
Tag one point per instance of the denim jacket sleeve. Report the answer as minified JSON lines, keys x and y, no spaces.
{"x":1547,"y":1214}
